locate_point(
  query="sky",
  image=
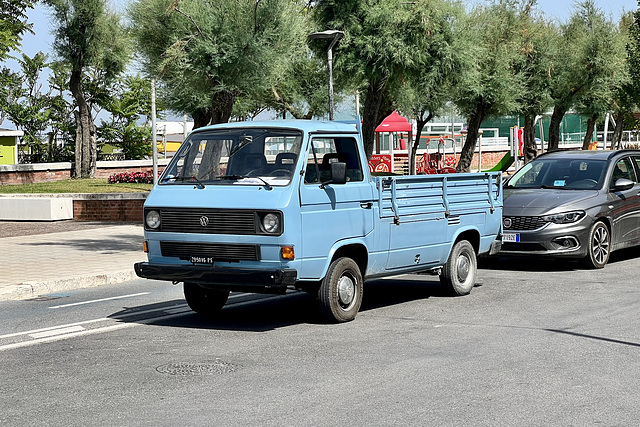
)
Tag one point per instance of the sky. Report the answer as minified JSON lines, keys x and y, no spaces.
{"x":559,"y":10}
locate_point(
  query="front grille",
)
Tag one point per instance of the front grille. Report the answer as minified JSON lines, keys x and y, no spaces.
{"x":525,"y":223}
{"x":209,"y":221}
{"x":217,"y":251}
{"x":522,"y":247}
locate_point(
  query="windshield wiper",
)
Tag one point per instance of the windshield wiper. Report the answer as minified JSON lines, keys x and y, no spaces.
{"x":553,"y":187}
{"x":237,"y":177}
{"x":185,"y":178}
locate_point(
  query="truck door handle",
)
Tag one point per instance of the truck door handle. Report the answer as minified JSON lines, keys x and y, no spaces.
{"x":366,"y":205}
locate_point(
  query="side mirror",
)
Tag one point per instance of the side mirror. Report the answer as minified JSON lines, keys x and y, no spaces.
{"x":338,"y":174}
{"x":623,"y":184}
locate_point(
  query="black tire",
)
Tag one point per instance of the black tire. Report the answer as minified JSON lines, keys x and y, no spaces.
{"x":459,"y":273}
{"x":340,"y":293}
{"x":599,"y":247}
{"x":207,"y":302}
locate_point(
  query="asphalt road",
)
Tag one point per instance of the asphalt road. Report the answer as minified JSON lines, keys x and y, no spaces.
{"x":535,"y":344}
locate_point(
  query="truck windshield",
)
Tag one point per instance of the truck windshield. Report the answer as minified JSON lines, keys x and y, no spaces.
{"x":242,"y":156}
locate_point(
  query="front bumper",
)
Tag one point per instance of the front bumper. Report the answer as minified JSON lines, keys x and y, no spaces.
{"x":557,"y":243}
{"x":233,"y":279}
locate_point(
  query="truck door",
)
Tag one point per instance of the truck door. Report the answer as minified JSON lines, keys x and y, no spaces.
{"x":332,"y":212}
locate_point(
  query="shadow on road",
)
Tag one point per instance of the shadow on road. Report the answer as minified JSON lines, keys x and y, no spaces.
{"x":259,"y":313}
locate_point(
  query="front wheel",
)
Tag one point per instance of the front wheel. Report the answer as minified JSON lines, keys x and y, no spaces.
{"x":340,"y":293}
{"x":459,"y":273}
{"x":599,"y":246}
{"x":207,"y":302}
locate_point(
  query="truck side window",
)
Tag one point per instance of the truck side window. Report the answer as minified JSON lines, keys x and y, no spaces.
{"x":325,"y":151}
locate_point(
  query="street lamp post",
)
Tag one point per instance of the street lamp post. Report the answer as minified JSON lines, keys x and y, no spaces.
{"x":334,"y":36}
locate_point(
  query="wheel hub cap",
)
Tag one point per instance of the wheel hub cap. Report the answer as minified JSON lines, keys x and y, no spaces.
{"x":463,"y":266}
{"x":346,"y":290}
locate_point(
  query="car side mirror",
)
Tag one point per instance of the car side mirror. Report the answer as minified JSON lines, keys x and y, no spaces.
{"x":338,"y":174}
{"x":623,"y":184}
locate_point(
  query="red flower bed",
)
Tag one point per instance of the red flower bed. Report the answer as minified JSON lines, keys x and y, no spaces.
{"x":131,"y":177}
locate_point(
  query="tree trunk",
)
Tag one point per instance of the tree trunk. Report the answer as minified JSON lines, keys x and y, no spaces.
{"x":222,"y":106}
{"x":554,"y":128}
{"x":86,"y":144}
{"x":591,"y":124}
{"x":370,"y":113}
{"x":420,"y":124}
{"x":617,"y":132}
{"x":201,"y":117}
{"x":466,"y":155}
{"x":529,"y":136}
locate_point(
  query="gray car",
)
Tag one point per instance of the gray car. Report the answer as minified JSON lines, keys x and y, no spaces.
{"x":573,"y":204}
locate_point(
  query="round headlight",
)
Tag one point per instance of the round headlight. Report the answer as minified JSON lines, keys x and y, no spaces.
{"x":271,"y":223}
{"x":153,"y":219}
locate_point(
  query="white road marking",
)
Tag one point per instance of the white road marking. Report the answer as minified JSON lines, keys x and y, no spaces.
{"x":72,"y":330}
{"x":100,"y":300}
{"x":59,"y":331}
{"x":87,"y":332}
{"x":35,"y":331}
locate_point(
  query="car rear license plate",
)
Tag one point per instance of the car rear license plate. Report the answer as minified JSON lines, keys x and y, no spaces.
{"x":201,"y":260}
{"x":511,"y":237}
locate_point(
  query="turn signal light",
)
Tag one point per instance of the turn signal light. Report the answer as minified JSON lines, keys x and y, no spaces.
{"x":287,"y":252}
{"x":145,"y":247}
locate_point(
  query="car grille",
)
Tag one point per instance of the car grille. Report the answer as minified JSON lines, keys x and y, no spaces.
{"x":217,"y":251}
{"x":525,"y":223}
{"x":208,"y":221}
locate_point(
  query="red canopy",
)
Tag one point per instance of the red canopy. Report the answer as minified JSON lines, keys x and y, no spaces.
{"x":394,"y":123}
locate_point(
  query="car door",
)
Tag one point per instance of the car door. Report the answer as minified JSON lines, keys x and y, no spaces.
{"x":624,"y":205}
{"x":332,"y":212}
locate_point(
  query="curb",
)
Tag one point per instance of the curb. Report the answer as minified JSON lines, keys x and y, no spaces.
{"x":33,"y":289}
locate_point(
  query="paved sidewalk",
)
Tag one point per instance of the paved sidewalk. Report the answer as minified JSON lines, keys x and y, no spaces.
{"x":43,"y":258}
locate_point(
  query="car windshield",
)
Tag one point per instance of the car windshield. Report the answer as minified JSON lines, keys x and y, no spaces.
{"x":241,"y":156}
{"x":569,"y":174}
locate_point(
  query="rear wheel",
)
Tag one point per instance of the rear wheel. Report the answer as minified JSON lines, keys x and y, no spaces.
{"x":340,"y":293}
{"x":459,"y":273}
{"x":599,"y":246}
{"x":207,"y":302}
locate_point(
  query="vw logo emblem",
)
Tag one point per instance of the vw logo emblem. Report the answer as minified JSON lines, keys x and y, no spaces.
{"x":204,"y":221}
{"x":506,"y":222}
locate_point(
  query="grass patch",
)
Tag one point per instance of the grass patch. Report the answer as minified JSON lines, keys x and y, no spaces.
{"x":75,"y":186}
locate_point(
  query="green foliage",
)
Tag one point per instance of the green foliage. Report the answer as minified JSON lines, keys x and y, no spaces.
{"x":27,"y":107}
{"x":130,"y":98}
{"x":90,"y":40}
{"x":13,"y":23}
{"x":209,"y":53}
{"x":494,"y":84}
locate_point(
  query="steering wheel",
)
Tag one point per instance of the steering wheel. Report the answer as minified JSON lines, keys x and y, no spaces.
{"x":584,"y":183}
{"x":253,"y":172}
{"x":280,"y":172}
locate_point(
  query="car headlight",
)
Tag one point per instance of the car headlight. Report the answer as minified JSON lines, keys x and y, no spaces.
{"x":153,"y":219}
{"x":565,"y":217}
{"x":271,"y":223}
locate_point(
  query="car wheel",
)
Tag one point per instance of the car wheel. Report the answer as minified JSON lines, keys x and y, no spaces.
{"x":340,"y":293}
{"x":207,"y":302}
{"x":459,"y":273}
{"x":599,"y":246}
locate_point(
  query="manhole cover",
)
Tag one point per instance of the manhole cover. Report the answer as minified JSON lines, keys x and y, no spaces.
{"x":183,"y":368}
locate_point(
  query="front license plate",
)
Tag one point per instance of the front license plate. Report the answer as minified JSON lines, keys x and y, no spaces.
{"x":511,"y":237}
{"x":201,"y":260}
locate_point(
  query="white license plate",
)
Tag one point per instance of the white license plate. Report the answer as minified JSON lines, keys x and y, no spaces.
{"x":511,"y":237}
{"x":201,"y":260}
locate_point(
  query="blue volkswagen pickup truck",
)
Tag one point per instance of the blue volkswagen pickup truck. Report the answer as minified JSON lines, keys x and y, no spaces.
{"x":269,"y":206}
